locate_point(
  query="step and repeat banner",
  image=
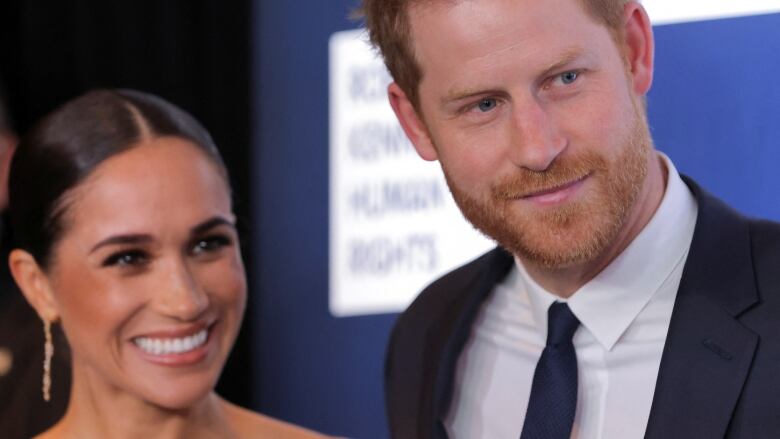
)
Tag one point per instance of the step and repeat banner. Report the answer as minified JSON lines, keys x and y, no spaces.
{"x":393,"y":224}
{"x":353,"y":224}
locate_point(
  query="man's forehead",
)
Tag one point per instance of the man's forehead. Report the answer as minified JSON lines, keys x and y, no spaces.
{"x":473,"y":29}
{"x":411,"y":5}
{"x":415,"y":8}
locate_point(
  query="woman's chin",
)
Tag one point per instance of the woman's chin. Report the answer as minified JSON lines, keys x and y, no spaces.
{"x":177,"y":398}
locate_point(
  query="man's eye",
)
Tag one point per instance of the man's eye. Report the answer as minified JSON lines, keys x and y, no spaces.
{"x":210,"y":244}
{"x":569,"y":77}
{"x":487,"y":104}
{"x":126,"y":259}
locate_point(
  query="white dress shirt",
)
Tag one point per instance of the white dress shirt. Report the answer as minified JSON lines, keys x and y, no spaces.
{"x":624,"y":314}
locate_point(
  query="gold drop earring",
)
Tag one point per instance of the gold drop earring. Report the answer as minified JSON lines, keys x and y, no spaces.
{"x":48,"y":352}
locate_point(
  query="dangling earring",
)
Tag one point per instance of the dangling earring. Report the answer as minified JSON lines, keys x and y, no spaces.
{"x":48,"y":352}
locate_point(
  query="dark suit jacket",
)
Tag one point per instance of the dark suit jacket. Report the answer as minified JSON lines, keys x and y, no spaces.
{"x":720,"y":370}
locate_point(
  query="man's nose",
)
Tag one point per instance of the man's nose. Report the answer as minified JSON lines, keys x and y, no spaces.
{"x":536,"y":139}
{"x":180,"y":295}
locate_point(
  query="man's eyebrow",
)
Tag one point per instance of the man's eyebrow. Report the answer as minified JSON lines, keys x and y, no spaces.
{"x":567,"y":56}
{"x":456,"y":95}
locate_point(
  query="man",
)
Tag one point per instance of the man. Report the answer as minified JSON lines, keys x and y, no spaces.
{"x":623,"y":301}
{"x":23,"y":412}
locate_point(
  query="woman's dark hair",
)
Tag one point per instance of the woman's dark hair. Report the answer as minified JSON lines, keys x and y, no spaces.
{"x":5,"y":118}
{"x":68,"y":144}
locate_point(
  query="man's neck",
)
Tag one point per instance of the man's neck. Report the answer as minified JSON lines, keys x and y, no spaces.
{"x":564,"y":282}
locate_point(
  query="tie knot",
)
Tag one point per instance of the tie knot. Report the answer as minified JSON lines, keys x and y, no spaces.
{"x":561,"y":324}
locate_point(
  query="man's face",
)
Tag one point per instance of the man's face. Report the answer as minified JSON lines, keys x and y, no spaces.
{"x":531,"y":109}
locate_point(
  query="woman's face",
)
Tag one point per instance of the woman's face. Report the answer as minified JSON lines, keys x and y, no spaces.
{"x":147,"y":277}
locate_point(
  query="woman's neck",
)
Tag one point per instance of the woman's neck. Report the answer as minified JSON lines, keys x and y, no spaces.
{"x":98,"y":409}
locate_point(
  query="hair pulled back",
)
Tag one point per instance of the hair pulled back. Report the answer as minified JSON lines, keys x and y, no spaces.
{"x":66,"y":146}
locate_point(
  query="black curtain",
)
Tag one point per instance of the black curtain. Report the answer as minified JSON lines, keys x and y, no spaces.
{"x":194,"y":53}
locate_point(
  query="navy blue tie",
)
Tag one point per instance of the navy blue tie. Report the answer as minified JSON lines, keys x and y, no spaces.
{"x":553,"y":399}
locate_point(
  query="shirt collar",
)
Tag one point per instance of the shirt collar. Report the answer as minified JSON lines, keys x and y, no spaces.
{"x":608,"y":303}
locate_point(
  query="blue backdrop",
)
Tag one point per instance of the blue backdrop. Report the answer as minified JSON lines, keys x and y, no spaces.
{"x":714,"y":108}
{"x":314,"y":369}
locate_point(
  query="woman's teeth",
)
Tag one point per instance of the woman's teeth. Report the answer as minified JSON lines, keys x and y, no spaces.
{"x":164,"y":346}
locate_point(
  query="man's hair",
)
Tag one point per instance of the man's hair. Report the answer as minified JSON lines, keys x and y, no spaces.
{"x":388,"y":27}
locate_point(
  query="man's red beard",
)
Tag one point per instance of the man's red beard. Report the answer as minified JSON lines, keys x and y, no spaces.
{"x":576,"y":232}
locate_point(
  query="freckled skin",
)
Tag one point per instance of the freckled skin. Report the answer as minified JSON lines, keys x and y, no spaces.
{"x":519,"y":97}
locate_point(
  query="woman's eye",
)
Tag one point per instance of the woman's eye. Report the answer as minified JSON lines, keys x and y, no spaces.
{"x":569,"y":77}
{"x":210,"y":244}
{"x":126,"y":259}
{"x":487,"y":104}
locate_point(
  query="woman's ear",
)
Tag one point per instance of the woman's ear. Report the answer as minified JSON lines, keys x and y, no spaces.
{"x":34,"y":284}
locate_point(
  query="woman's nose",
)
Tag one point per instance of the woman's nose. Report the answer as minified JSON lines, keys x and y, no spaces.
{"x":180,"y":295}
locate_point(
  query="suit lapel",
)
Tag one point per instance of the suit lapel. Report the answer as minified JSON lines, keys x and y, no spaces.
{"x":453,"y":336}
{"x":708,"y":353}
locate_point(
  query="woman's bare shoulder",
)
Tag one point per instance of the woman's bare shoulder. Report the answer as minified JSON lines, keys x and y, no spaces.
{"x":249,"y":424}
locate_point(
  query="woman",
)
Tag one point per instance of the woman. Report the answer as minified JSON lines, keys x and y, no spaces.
{"x":122,"y":209}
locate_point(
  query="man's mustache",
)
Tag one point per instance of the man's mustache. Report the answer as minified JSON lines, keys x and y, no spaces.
{"x":561,"y":172}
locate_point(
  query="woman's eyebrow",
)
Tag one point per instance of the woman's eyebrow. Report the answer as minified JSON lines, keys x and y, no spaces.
{"x":141,"y":238}
{"x":122,"y":239}
{"x":211,"y":223}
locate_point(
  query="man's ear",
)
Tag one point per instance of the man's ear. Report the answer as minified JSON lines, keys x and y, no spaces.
{"x":639,"y":47}
{"x":34,"y":284}
{"x":413,"y":126}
